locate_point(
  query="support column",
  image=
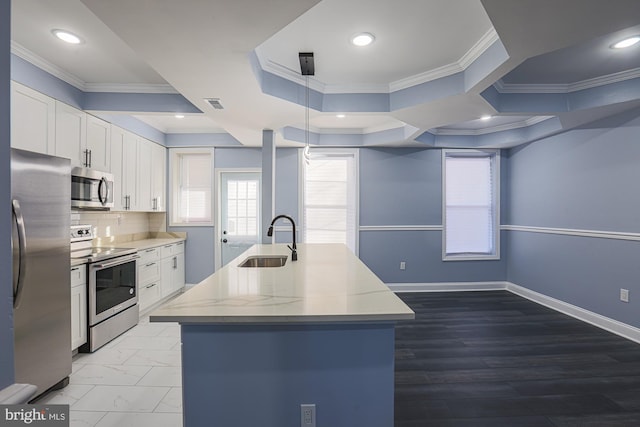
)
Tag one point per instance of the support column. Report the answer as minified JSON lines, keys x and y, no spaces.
{"x":268,"y":182}
{"x":6,"y":291}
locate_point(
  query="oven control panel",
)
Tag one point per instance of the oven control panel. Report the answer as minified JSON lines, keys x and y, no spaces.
{"x":81,"y":232}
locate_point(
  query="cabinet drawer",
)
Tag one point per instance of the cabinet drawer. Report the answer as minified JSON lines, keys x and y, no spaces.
{"x":78,"y":275}
{"x":148,"y":272}
{"x":148,"y":255}
{"x":172,"y":249}
{"x":149,"y":294}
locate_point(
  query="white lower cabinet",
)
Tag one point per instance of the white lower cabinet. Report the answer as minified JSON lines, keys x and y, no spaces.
{"x":173,"y":268}
{"x":160,"y":273}
{"x":78,"y":306}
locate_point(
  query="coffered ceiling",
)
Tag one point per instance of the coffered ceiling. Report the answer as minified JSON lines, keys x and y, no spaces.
{"x":434,"y":68}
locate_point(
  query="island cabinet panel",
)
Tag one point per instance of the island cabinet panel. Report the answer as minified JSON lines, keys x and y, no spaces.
{"x":346,"y":370}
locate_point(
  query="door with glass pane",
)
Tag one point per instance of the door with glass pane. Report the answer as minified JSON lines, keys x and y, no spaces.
{"x":239,"y":213}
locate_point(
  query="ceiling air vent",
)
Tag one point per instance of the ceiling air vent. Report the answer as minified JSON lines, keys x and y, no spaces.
{"x":215,"y":103}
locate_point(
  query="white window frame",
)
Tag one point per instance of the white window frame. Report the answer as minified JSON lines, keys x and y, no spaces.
{"x":301,"y":184}
{"x":495,"y":158}
{"x":174,"y":170}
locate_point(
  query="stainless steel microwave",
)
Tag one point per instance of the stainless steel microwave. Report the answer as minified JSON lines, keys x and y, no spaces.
{"x":91,"y":189}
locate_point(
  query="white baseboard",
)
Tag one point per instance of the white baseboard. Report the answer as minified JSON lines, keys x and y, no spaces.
{"x":447,"y":287}
{"x":627,"y":331}
{"x":622,"y":329}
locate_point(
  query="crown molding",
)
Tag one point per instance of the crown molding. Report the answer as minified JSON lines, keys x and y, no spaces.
{"x":484,"y":43}
{"x":24,"y":53}
{"x":621,"y":76}
{"x":490,"y":37}
{"x":500,"y":128}
{"x":130,"y":88}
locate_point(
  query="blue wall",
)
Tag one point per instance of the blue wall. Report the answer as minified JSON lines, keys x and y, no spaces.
{"x":585,"y":179}
{"x":6,"y":290}
{"x":403,"y":187}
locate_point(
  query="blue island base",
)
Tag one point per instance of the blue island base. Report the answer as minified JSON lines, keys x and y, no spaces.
{"x":259,"y":375}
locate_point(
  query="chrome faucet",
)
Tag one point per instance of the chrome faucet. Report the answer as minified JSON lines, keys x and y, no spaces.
{"x":294,"y":251}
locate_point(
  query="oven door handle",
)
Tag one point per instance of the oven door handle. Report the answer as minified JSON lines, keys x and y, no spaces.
{"x":118,"y":262}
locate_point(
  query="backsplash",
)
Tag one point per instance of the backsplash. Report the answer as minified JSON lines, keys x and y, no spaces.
{"x":121,"y":226}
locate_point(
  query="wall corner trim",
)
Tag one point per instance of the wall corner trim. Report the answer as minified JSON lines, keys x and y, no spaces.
{"x":622,"y":329}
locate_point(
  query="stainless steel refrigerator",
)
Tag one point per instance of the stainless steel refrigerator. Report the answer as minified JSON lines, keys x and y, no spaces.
{"x":41,"y":205}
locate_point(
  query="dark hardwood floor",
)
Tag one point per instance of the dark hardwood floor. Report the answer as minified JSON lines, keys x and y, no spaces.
{"x":494,"y":359}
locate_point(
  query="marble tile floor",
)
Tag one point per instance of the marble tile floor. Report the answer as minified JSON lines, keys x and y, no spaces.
{"x":134,"y":381}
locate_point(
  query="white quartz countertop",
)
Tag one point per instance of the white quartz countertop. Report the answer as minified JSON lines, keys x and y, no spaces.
{"x":327,"y":284}
{"x":149,"y":243}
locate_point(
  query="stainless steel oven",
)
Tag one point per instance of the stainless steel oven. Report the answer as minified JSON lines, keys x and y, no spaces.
{"x":112,"y":294}
{"x":112,"y":287}
{"x":91,"y":189}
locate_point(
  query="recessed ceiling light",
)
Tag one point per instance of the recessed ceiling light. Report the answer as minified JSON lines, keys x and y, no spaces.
{"x":628,"y":42}
{"x":362,"y":39}
{"x":179,"y":116}
{"x":486,"y":117}
{"x":66,"y":36}
{"x":341,"y":116}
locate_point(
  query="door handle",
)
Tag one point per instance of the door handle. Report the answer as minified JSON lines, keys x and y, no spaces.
{"x":22,"y":253}
{"x":224,"y":240}
{"x":103,"y":184}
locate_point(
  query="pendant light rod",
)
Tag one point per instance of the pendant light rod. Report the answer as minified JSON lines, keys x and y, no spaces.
{"x":307,"y":68}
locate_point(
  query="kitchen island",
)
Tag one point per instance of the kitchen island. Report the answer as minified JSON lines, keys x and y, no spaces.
{"x":259,"y":342}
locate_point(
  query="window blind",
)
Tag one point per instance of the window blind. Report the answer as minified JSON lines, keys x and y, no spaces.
{"x":470,"y":204}
{"x":330,"y":199}
{"x":194,"y":188}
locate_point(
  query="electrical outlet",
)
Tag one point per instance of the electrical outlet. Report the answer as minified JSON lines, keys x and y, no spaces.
{"x":624,"y":295}
{"x":308,"y":415}
{"x":403,"y":265}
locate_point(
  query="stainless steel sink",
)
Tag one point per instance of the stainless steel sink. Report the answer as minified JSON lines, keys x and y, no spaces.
{"x":264,"y":261}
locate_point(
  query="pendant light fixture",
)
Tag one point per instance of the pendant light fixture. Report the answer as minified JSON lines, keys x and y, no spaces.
{"x":307,"y":69}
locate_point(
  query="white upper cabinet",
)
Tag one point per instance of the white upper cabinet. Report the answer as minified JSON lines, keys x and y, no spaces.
{"x":124,"y":159}
{"x":33,"y":118}
{"x":71,"y":133}
{"x":83,"y":138}
{"x":158,"y":169}
{"x":98,"y":143}
{"x":145,"y":202}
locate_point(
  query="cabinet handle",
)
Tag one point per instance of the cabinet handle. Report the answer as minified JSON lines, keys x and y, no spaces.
{"x":150,"y":250}
{"x":150,"y":264}
{"x":89,"y":158}
{"x":150,"y":286}
{"x":127,"y":200}
{"x":75,"y":269}
{"x":86,"y":158}
{"x":175,"y":262}
{"x":167,"y":246}
{"x":180,"y":243}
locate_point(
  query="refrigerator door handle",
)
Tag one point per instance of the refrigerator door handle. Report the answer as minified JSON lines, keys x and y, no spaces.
{"x":22,"y":253}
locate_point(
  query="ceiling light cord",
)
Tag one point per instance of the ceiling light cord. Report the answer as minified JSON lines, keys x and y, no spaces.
{"x":306,"y":151}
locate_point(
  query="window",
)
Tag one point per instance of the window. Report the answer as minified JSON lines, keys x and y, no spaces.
{"x":330,"y":197}
{"x":191,"y":174}
{"x":242,"y":207}
{"x":471,"y":204}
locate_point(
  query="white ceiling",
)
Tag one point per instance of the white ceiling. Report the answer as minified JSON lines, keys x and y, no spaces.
{"x":203,"y":49}
{"x":410,"y":38}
